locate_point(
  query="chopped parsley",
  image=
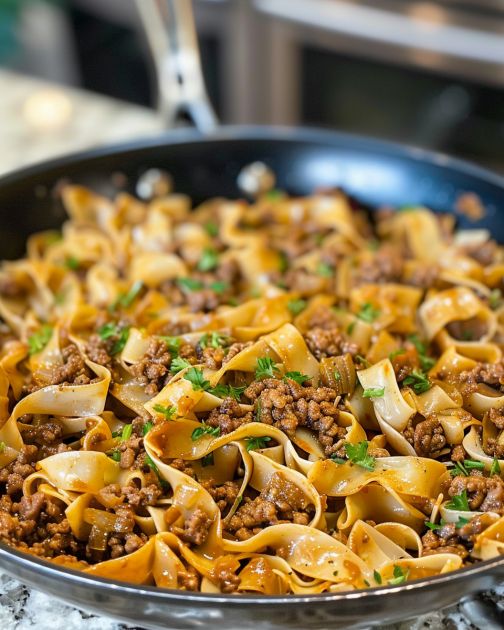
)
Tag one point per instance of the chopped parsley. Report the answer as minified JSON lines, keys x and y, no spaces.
{"x":190,"y":284}
{"x":147,"y":427}
{"x":209,"y":260}
{"x":377,"y":577}
{"x":228,"y":391}
{"x":167,"y":412}
{"x":358,"y":454}
{"x":213,"y":340}
{"x":72,"y":263}
{"x":396,"y":353}
{"x":3,"y":446}
{"x":459,"y":502}
{"x":338,"y":460}
{"x":324,"y":270}
{"x":426,"y":362}
{"x":461,"y":522}
{"x":495,"y":469}
{"x":126,"y":432}
{"x":258,"y":411}
{"x":400,"y":576}
{"x":462,"y":468}
{"x":116,"y":456}
{"x":219,"y":286}
{"x":121,"y":341}
{"x":368,"y":313}
{"x":211,"y":228}
{"x":254,"y":443}
{"x":495,"y":299}
{"x":297,"y":376}
{"x":337,"y":375}
{"x":418,"y":381}
{"x":152,"y":465}
{"x":178,"y":364}
{"x":433,"y":526}
{"x":350,"y":328}
{"x":296,"y":306}
{"x":195,"y":377}
{"x":107,"y":330}
{"x":373,"y":392}
{"x":204,"y":429}
{"x":39,"y":339}
{"x":283,"y":262}
{"x":362,"y":360}
{"x":173,"y":344}
{"x":265,"y":368}
{"x":126,"y":299}
{"x":207,"y":460}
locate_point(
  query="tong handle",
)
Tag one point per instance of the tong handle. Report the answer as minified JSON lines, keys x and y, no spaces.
{"x":171,"y":35}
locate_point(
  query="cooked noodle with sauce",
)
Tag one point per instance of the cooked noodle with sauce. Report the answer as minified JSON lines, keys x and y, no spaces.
{"x":277,"y":397}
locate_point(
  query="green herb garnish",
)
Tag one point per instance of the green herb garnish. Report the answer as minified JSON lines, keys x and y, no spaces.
{"x":39,"y":339}
{"x":121,"y":341}
{"x":433,"y":526}
{"x":147,"y":427}
{"x":254,"y":443}
{"x":461,"y":522}
{"x":324,"y":270}
{"x":400,"y":576}
{"x":107,"y":330}
{"x":297,"y":376}
{"x":152,"y":465}
{"x":204,"y":429}
{"x":173,"y":344}
{"x":209,"y":260}
{"x":337,"y":375}
{"x":459,"y":502}
{"x":265,"y":368}
{"x":396,"y":353}
{"x":495,"y":468}
{"x":418,"y":381}
{"x":207,"y":460}
{"x":72,"y":263}
{"x":377,"y":577}
{"x":368,"y":313}
{"x":358,"y":454}
{"x":168,"y":412}
{"x":116,"y":456}
{"x":178,"y":364}
{"x":350,"y":328}
{"x":283,"y":262}
{"x":195,"y":376}
{"x":495,"y":299}
{"x":190,"y":284}
{"x":3,"y":446}
{"x":213,"y":340}
{"x":219,"y":286}
{"x":296,"y":306}
{"x":225,"y":391}
{"x":462,"y":468}
{"x":126,"y":432}
{"x":211,"y":228}
{"x":373,"y":392}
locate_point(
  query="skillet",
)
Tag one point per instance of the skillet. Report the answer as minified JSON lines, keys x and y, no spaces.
{"x":373,"y":172}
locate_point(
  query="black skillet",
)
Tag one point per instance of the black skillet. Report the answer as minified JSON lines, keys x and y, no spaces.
{"x":375,"y":173}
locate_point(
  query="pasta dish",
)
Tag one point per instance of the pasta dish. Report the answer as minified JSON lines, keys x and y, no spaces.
{"x":275,"y":397}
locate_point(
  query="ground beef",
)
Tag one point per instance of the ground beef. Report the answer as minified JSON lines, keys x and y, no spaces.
{"x":229,"y":416}
{"x":497,"y":417}
{"x":195,"y":529}
{"x":188,"y":580}
{"x":490,"y":373}
{"x":324,"y":342}
{"x":423,"y":276}
{"x":405,"y":363}
{"x":287,"y":405}
{"x":98,"y":351}
{"x":13,"y":475}
{"x":211,"y":357}
{"x":450,"y":539}
{"x":280,"y":501}
{"x":485,"y":494}
{"x":385,"y":266}
{"x":183,"y":466}
{"x":224,"y":494}
{"x":153,"y":369}
{"x":426,"y":437}
{"x":458,"y":453}
{"x":73,"y":371}
{"x":444,"y":540}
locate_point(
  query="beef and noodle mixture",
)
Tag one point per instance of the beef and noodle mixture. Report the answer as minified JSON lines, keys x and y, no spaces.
{"x":277,"y":397}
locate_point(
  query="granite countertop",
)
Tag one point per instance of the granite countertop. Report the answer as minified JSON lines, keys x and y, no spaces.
{"x":42,"y":121}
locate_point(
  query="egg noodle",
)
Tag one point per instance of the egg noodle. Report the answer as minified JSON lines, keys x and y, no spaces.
{"x":277,"y":397}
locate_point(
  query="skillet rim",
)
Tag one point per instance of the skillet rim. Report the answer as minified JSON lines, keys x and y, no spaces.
{"x":41,"y":567}
{"x":228,"y":133}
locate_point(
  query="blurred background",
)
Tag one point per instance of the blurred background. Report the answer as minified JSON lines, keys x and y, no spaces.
{"x":75,"y":73}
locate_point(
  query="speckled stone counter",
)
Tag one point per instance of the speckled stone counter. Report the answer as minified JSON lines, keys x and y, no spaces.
{"x":39,"y":121}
